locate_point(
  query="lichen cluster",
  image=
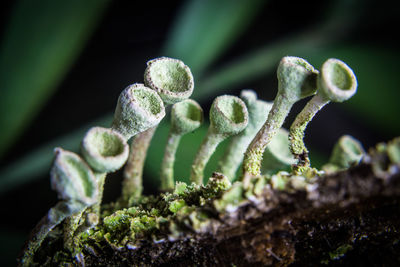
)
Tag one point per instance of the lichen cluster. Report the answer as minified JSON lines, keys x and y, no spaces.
{"x":256,"y":129}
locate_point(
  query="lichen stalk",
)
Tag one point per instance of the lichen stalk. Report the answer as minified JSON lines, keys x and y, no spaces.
{"x":253,"y":156}
{"x":337,"y":83}
{"x":296,"y":80}
{"x":186,"y":117}
{"x":138,"y":111}
{"x":233,"y":156}
{"x":167,"y":166}
{"x":74,"y":222}
{"x":228,"y":116}
{"x":207,"y":148}
{"x":132,"y":185}
{"x":297,"y":129}
{"x":101,"y":178}
{"x":173,"y":82}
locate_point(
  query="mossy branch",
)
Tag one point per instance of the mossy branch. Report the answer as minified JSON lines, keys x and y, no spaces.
{"x":336,"y":219}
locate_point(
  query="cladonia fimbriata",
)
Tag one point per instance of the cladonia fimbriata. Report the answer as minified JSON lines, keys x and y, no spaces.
{"x":337,"y":83}
{"x":296,"y":80}
{"x":173,"y":81}
{"x":258,"y":142}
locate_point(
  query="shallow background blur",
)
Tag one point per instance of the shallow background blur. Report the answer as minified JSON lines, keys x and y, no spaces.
{"x":64,"y":63}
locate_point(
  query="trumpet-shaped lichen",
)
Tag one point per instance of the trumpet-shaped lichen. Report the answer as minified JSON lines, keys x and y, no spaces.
{"x":191,"y":208}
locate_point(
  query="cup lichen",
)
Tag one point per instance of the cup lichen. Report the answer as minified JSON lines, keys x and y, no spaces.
{"x":296,"y":80}
{"x":228,"y":116}
{"x":346,"y":153}
{"x":139,"y":108}
{"x":186,"y":116}
{"x":168,"y":216}
{"x":233,"y":156}
{"x":173,"y":82}
{"x":170,"y":78}
{"x":72,"y":178}
{"x":337,"y":83}
{"x":105,"y":150}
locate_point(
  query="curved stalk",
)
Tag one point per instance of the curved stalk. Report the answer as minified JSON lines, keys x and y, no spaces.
{"x":296,"y":80}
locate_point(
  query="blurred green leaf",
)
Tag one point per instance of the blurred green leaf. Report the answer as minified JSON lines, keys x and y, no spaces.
{"x":376,"y":102}
{"x":258,"y":63}
{"x":42,"y":40}
{"x":204,"y":29}
{"x":334,"y":24}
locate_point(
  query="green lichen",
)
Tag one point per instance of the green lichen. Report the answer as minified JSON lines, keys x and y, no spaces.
{"x":172,"y":81}
{"x":153,"y":217}
{"x":346,"y":153}
{"x":105,"y":150}
{"x":183,"y":209}
{"x":180,"y":188}
{"x":189,"y":209}
{"x":186,"y":116}
{"x":336,"y":82}
{"x":170,"y":78}
{"x":116,"y":221}
{"x":138,"y":109}
{"x":296,"y":80}
{"x":233,"y":156}
{"x":340,"y":252}
{"x":72,"y":178}
{"x":228,"y":116}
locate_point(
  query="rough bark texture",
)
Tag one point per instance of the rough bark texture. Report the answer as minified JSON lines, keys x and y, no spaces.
{"x":348,"y":218}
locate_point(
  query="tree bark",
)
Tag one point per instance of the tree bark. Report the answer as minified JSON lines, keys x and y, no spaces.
{"x":351,"y":217}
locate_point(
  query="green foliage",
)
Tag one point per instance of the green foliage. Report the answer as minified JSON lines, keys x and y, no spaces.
{"x":40,"y":44}
{"x":208,"y":27}
{"x":376,"y":102}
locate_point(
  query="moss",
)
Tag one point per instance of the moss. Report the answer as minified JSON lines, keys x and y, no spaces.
{"x":180,"y":188}
{"x":154,"y":216}
{"x":176,"y":205}
{"x":118,"y":221}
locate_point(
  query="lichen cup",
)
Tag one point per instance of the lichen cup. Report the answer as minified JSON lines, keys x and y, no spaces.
{"x":186,"y":116}
{"x":336,"y":82}
{"x":170,"y":78}
{"x":105,"y":150}
{"x":228,"y":116}
{"x":139,"y":108}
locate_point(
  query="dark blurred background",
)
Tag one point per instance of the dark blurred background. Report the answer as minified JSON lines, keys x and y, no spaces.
{"x":64,"y":63}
